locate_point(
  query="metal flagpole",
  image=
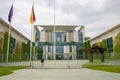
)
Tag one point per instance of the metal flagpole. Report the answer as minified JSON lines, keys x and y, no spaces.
{"x":8,"y":43}
{"x":31,"y":47}
{"x":54,"y":30}
{"x":32,"y":20}
{"x":9,"y":19}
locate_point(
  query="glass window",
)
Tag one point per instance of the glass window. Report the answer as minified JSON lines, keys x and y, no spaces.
{"x":80,"y":37}
{"x":110,"y":44}
{"x":58,"y":37}
{"x":70,"y":48}
{"x":49,"y":50}
{"x":12,"y":44}
{"x":37,"y":38}
{"x":59,"y":49}
{"x":64,"y":34}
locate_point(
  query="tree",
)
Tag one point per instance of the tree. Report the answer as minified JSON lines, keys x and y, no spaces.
{"x":72,"y":43}
{"x":104,"y":45}
{"x":1,"y":40}
{"x":28,"y":50}
{"x":46,"y":43}
{"x":5,"y":45}
{"x":117,"y":47}
{"x":86,"y":44}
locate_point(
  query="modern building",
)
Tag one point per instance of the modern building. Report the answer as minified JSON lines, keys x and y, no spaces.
{"x":108,"y":36}
{"x":18,"y":43}
{"x":66,"y":44}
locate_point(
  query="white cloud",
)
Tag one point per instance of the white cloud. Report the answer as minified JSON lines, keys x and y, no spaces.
{"x":96,"y":15}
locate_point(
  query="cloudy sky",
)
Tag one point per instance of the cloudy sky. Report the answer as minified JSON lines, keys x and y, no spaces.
{"x":96,"y":15}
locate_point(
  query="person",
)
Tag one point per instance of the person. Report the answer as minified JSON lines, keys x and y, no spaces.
{"x":42,"y":62}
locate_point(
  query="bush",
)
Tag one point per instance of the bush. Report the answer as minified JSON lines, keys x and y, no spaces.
{"x":117,"y":47}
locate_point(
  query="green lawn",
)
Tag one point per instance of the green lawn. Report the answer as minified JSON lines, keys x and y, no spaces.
{"x":8,"y":70}
{"x":107,"y":68}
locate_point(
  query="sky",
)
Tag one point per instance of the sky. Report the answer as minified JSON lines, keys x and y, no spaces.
{"x":96,"y":15}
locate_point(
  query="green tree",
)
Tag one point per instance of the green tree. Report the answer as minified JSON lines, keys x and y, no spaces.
{"x":36,"y":50}
{"x":46,"y":43}
{"x":5,"y":44}
{"x":86,"y":44}
{"x":28,"y":50}
{"x":1,"y":40}
{"x":23,"y":51}
{"x":72,"y":43}
{"x":117,"y":47}
{"x":104,"y":45}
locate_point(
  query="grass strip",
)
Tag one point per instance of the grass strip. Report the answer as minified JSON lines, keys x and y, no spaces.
{"x":108,"y":68}
{"x":8,"y":70}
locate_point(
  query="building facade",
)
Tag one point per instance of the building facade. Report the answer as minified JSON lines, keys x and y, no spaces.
{"x":66,"y":44}
{"x":17,"y":45}
{"x":109,"y":37}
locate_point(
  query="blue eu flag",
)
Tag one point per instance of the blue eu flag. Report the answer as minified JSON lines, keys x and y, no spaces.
{"x":10,"y":14}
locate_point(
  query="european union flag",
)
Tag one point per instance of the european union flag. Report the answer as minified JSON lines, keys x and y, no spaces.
{"x":10,"y":14}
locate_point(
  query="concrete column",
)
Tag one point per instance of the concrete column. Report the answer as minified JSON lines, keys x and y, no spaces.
{"x":46,"y":56}
{"x":65,"y":49}
{"x":46,"y":49}
{"x":49,"y":36}
{"x":67,"y":36}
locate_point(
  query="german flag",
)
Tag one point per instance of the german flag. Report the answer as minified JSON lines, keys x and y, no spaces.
{"x":32,"y":16}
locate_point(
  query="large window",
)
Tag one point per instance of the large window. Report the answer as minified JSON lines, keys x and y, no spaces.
{"x":80,"y":37}
{"x":64,"y":34}
{"x":59,"y":49}
{"x":70,"y":48}
{"x":37,"y":37}
{"x":110,"y":45}
{"x":12,"y":45}
{"x":49,"y":50}
{"x":58,"y":37}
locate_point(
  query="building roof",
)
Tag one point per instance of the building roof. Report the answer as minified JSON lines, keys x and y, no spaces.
{"x":59,"y":27}
{"x":13,"y":29}
{"x":118,"y":26}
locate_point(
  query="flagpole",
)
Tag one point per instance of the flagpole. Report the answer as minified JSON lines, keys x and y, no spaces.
{"x":9,"y":31}
{"x":54,"y":29}
{"x":8,"y":43}
{"x":31,"y":48}
{"x":32,"y":20}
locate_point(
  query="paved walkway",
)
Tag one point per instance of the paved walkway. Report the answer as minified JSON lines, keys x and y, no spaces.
{"x":61,"y":74}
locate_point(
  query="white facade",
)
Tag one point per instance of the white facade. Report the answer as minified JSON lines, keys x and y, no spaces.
{"x":64,"y":35}
{"x":17,"y":41}
{"x":111,"y":33}
{"x":107,"y":34}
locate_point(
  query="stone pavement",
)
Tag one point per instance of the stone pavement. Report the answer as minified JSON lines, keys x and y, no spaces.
{"x":61,"y":74}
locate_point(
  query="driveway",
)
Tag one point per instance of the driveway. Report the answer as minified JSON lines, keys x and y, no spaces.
{"x":61,"y":74}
